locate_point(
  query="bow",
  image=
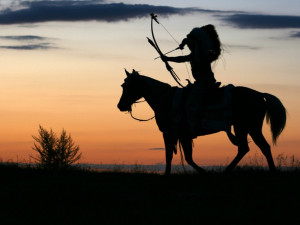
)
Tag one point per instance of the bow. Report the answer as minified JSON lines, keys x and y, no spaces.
{"x":155,"y":45}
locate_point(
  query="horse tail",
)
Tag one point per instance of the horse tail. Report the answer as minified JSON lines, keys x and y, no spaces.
{"x":275,"y":115}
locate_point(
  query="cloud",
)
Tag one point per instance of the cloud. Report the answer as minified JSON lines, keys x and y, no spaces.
{"x":244,"y":47}
{"x":47,"y":11}
{"x":156,"y":149}
{"x":43,"y":46}
{"x":261,"y":21}
{"x":295,"y":34}
{"x":23,"y":38}
{"x":30,"y":12}
{"x":27,"y":42}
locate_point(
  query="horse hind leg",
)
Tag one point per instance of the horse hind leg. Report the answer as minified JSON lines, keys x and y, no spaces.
{"x":187,"y":146}
{"x":261,"y":142}
{"x":243,"y":148}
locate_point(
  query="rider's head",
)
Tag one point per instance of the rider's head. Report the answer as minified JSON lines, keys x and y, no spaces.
{"x":205,"y":41}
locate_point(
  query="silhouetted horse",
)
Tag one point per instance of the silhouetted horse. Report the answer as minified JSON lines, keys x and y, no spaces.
{"x":249,"y":108}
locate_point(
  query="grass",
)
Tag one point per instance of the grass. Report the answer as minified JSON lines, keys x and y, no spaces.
{"x":247,"y":196}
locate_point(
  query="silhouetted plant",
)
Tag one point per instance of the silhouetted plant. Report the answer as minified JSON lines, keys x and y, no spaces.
{"x":55,"y":152}
{"x":288,"y":161}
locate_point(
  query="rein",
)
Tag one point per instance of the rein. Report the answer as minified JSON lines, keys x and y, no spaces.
{"x":141,"y":120}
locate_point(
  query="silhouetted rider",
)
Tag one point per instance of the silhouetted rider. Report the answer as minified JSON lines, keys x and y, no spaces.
{"x":205,"y":48}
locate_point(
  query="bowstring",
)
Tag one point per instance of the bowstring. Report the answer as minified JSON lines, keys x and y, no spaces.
{"x":186,"y":67}
{"x":169,"y":33}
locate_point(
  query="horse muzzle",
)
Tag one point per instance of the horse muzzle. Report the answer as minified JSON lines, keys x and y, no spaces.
{"x":123,"y":107}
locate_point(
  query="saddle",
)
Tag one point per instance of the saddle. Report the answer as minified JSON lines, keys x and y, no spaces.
{"x":211,"y":114}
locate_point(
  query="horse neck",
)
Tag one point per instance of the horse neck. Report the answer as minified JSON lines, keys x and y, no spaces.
{"x":154,"y":92}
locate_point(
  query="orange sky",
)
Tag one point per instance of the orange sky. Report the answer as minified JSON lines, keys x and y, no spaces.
{"x":76,"y":86}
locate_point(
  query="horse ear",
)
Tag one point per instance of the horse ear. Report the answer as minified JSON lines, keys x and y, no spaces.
{"x":135,"y":72}
{"x":127,"y":73}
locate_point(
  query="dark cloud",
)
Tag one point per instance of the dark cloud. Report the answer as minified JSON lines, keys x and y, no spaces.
{"x":23,"y":38}
{"x":244,"y":47}
{"x":30,"y":12}
{"x":260,"y":21}
{"x":40,"y":46}
{"x":27,"y":42}
{"x":46,"y":11}
{"x":156,"y":148}
{"x":295,"y":35}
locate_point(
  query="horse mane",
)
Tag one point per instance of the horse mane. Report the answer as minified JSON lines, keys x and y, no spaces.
{"x":154,"y":81}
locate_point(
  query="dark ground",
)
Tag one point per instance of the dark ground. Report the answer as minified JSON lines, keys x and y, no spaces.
{"x":246,"y":196}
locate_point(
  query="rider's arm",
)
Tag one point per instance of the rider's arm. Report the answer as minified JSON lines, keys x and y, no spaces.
{"x":178,"y":59}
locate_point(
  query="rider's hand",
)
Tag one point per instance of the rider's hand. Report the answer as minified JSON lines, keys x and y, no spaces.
{"x":181,"y":46}
{"x":183,"y":43}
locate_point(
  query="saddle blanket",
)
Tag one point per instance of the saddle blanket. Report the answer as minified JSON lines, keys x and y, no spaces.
{"x":200,"y":114}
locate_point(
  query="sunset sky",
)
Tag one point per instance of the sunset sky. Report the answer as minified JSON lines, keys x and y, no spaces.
{"x":62,"y":64}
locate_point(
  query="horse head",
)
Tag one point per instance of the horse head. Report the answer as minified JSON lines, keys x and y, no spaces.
{"x":131,"y":91}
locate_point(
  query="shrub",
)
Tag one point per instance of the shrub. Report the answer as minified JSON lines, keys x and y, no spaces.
{"x":55,"y":152}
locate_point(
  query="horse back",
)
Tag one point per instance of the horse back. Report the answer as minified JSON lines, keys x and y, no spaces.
{"x":244,"y":97}
{"x":218,"y":96}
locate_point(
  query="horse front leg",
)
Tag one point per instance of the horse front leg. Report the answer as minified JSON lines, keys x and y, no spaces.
{"x":187,"y":146}
{"x":170,"y":147}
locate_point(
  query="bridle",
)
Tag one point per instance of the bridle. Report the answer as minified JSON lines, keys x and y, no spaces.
{"x":141,"y":120}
